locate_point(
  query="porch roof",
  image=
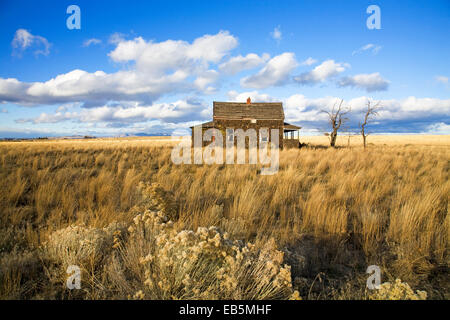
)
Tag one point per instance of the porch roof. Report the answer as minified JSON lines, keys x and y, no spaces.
{"x":290,"y":127}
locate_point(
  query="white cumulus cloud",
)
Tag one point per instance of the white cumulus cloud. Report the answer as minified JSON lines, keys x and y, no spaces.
{"x":322,"y":72}
{"x":412,"y":112}
{"x":176,"y":112}
{"x":157,"y":69}
{"x":369,"y":82}
{"x":438,"y":128}
{"x":309,"y":62}
{"x":239,"y":63}
{"x":276,"y":72}
{"x":255,"y":96}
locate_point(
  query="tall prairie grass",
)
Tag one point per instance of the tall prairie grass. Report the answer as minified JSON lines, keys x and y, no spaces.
{"x":333,"y":212}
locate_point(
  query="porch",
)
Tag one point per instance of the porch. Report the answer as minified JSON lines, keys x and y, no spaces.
{"x":291,"y":136}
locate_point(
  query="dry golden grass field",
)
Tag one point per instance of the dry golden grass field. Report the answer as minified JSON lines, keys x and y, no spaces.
{"x":139,"y":226}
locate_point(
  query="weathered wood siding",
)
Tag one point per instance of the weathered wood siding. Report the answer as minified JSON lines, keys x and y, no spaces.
{"x":222,"y":125}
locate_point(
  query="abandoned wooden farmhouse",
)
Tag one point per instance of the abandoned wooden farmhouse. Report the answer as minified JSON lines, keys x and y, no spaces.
{"x":256,"y":115}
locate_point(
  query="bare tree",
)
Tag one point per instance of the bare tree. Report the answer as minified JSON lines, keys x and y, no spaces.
{"x":336,"y":117}
{"x":370,"y":113}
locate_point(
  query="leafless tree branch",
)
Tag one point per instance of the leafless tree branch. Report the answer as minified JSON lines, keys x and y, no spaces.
{"x":370,"y":113}
{"x":336,"y":118}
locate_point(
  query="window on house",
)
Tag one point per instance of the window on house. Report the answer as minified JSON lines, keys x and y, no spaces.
{"x":263,"y":138}
{"x":230,"y":135}
{"x":253,"y":120}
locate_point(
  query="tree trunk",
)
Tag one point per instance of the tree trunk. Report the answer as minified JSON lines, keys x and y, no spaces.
{"x":333,"y":137}
{"x":363,"y":133}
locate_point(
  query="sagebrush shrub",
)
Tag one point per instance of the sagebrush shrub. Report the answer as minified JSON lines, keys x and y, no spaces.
{"x":204,"y":264}
{"x":397,"y":291}
{"x":76,"y":245}
{"x":86,"y":247}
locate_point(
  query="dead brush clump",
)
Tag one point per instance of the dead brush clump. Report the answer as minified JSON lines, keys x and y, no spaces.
{"x":199,"y":265}
{"x":397,"y":291}
{"x":85,"y":247}
{"x":77,"y":245}
{"x":159,"y":199}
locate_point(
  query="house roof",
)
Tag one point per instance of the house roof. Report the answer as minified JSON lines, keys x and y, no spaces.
{"x":254,"y":110}
{"x":287,"y":126}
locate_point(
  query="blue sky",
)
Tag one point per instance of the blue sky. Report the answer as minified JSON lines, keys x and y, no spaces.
{"x":156,"y":66}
